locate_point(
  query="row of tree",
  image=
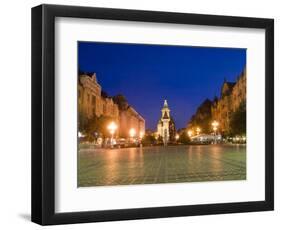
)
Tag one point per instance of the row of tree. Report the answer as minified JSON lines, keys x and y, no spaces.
{"x":203,"y":119}
{"x":238,"y":121}
{"x":94,"y":127}
{"x":97,"y":126}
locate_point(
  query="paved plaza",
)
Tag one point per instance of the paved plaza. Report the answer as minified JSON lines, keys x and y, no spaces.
{"x":157,"y":164}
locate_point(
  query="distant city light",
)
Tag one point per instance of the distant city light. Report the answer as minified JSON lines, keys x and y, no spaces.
{"x":141,"y":135}
{"x":198,"y":130}
{"x":177,"y":136}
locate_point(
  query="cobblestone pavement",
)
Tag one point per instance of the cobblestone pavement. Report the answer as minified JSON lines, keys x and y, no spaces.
{"x":152,"y":165}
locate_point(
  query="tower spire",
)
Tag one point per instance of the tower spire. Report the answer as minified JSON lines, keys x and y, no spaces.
{"x":165,"y":103}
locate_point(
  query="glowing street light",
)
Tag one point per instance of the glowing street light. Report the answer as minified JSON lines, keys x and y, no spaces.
{"x":132,"y":132}
{"x":198,"y":130}
{"x":215,"y":125}
{"x":112,"y":128}
{"x":141,"y":136}
{"x":190,"y":133}
{"x":177,"y":136}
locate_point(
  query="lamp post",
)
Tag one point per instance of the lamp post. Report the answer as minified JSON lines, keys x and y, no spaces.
{"x":112,"y":128}
{"x":177,"y":137}
{"x":141,"y":136}
{"x":132,"y":133}
{"x":198,"y":130}
{"x":215,"y":125}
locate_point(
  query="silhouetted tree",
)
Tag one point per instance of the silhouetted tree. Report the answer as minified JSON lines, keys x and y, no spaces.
{"x":202,"y":118}
{"x":121,"y":101}
{"x":172,"y":129}
{"x":238,"y":120}
{"x":82,"y":122}
{"x":148,"y":140}
{"x":104,"y":94}
{"x":103,"y":122}
{"x":184,"y":138}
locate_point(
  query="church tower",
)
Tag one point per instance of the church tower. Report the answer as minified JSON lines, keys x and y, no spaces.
{"x":164,"y":124}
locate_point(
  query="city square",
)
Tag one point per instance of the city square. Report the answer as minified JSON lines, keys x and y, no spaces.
{"x":159,"y":164}
{"x":142,"y":123}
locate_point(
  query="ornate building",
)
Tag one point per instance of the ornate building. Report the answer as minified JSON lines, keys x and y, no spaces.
{"x":232,"y":95}
{"x":166,"y":125}
{"x":130,"y":119}
{"x":93,"y":102}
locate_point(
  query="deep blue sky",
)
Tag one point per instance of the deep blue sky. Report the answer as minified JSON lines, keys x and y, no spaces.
{"x":148,"y":74}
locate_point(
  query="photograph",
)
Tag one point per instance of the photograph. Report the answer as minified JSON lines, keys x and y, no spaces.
{"x":140,"y":114}
{"x":153,"y":114}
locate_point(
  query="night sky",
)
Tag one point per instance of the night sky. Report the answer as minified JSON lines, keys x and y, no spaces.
{"x":148,"y":74}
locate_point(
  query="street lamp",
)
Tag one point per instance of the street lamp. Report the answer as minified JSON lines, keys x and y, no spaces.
{"x":198,"y":130}
{"x":177,"y":137}
{"x":132,"y":133}
{"x":112,"y":128}
{"x":190,"y":133}
{"x":215,"y":125}
{"x":141,"y":134}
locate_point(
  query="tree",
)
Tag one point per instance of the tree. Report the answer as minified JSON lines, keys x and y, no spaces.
{"x":104,"y":94}
{"x":238,"y":120}
{"x":121,"y":101}
{"x":94,"y":126}
{"x":148,"y":140}
{"x":172,"y":129}
{"x":202,"y":118}
{"x":103,"y":122}
{"x":82,"y":122}
{"x":184,"y":138}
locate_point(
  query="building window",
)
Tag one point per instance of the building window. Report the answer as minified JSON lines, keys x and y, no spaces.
{"x":94,"y":104}
{"x":93,"y":101}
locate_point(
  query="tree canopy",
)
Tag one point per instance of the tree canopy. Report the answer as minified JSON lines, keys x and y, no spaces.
{"x":238,"y":120}
{"x":121,"y":101}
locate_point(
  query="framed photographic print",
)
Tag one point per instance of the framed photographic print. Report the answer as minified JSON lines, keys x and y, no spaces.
{"x":141,"y":114}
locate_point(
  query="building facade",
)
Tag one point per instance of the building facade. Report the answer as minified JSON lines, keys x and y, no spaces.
{"x":92,"y":102}
{"x":130,"y":119}
{"x":233,"y":94}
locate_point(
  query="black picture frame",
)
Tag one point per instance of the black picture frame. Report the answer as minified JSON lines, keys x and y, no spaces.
{"x":43,"y":114}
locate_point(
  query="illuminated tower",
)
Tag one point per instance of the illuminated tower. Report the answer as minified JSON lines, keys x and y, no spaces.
{"x":163,"y":124}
